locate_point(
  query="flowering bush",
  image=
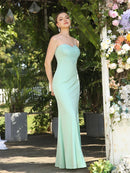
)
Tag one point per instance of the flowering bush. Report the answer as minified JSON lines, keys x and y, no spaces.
{"x":121,"y":109}
{"x":101,"y":166}
{"x":123,"y":166}
{"x":115,"y":8}
{"x":116,"y":47}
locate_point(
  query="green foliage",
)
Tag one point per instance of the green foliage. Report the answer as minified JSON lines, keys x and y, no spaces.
{"x":41,"y":123}
{"x":83,"y":23}
{"x":21,"y":63}
{"x":101,"y":166}
{"x":2,"y":130}
{"x":47,"y":108}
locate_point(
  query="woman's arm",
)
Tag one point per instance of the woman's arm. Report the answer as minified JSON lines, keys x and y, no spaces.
{"x":77,"y":43}
{"x":49,"y":57}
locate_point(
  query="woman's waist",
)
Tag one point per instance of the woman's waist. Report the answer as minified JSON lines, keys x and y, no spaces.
{"x":65,"y":78}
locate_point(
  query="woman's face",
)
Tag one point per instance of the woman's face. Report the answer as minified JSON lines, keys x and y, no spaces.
{"x":63,"y":20}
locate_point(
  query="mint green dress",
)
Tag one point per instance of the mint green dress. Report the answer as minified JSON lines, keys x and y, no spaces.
{"x":67,"y":89}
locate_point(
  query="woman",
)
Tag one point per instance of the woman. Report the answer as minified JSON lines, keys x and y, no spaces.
{"x":65,"y":86}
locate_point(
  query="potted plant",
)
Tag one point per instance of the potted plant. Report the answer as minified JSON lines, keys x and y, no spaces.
{"x":91,"y":103}
{"x":16,"y":119}
{"x":18,"y":95}
{"x":101,"y":166}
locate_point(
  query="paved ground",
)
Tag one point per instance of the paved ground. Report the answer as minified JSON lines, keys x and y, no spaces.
{"x":37,"y":155}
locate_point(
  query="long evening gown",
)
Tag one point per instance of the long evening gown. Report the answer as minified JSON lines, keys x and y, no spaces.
{"x":66,"y":89}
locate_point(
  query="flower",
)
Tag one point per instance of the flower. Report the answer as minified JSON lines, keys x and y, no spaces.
{"x":121,"y":64}
{"x":107,"y":55}
{"x":112,"y":66}
{"x":109,"y":31}
{"x":120,"y":39}
{"x":113,"y":14}
{"x":114,"y":108}
{"x":115,"y":6}
{"x":127,"y":66}
{"x":105,"y":44}
{"x":125,"y":20}
{"x":126,"y":47}
{"x":111,"y":110}
{"x":128,"y":37}
{"x":128,"y":60}
{"x":113,"y":37}
{"x":123,"y":166}
{"x":119,"y":70}
{"x":115,"y":22}
{"x":117,"y":47}
{"x":113,"y":84}
{"x":120,"y":30}
{"x":110,"y":50}
{"x":111,"y":98}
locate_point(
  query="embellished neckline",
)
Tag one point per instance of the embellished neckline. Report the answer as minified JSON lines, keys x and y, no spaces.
{"x":67,"y":45}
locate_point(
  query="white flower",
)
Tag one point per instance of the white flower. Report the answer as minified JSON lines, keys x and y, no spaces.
{"x":126,"y":47}
{"x":107,"y":55}
{"x":127,"y":66}
{"x":113,"y":37}
{"x":128,"y":60}
{"x":119,"y":103}
{"x":120,"y":30}
{"x":108,"y":41}
{"x":112,"y":66}
{"x":123,"y":51}
{"x":119,"y":70}
{"x":116,"y":114}
{"x":122,"y":65}
{"x":104,"y":45}
{"x":119,"y":60}
{"x":116,"y":107}
{"x":119,"y":52}
{"x":111,"y":98}
{"x":123,"y":107}
{"x":110,"y":50}
{"x":109,"y":31}
{"x":111,"y":110}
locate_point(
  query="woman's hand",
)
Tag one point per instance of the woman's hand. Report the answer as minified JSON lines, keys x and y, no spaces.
{"x":51,"y":89}
{"x":52,"y":93}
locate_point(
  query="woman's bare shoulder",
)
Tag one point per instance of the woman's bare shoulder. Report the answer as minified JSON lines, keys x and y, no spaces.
{"x":55,"y":37}
{"x":76,"y":42}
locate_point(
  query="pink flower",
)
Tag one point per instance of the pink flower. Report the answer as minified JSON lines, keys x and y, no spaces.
{"x":115,"y":22}
{"x":113,"y":14}
{"x":115,"y":7}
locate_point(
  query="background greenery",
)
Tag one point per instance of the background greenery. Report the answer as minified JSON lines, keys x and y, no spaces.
{"x":23,"y":46}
